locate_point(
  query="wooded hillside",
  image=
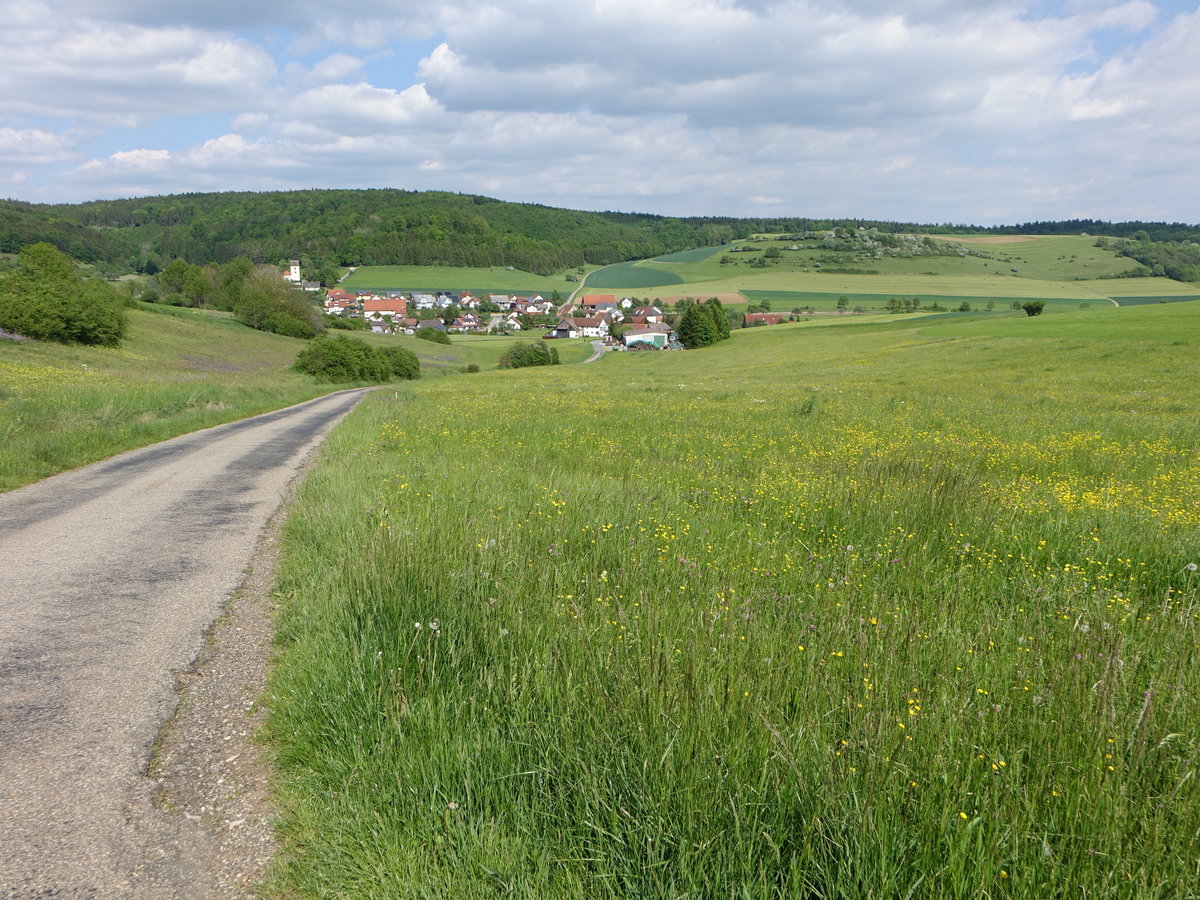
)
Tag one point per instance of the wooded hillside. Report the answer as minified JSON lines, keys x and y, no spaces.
{"x":330,"y":228}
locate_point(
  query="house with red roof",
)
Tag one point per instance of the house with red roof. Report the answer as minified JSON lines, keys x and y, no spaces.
{"x":385,"y":306}
{"x":591,"y":301}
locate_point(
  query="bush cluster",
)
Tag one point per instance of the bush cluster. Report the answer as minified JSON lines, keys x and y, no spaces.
{"x":521,"y":355}
{"x":45,"y":299}
{"x":435,"y":335}
{"x":341,"y":359}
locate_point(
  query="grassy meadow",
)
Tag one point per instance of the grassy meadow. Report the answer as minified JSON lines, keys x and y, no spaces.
{"x":484,"y":350}
{"x":897,"y":609}
{"x":177,"y":371}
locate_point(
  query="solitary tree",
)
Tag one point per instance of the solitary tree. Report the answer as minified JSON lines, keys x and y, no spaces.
{"x":1033,"y":307}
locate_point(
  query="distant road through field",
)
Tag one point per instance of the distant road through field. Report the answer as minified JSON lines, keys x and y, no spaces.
{"x":109,"y":577}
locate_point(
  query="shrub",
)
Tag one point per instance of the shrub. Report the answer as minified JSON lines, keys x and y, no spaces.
{"x":338,"y":323}
{"x":401,"y":363}
{"x":341,"y":359}
{"x":44,"y":298}
{"x":288,"y":326}
{"x":433,"y":334}
{"x":521,"y":355}
{"x":1033,"y":307}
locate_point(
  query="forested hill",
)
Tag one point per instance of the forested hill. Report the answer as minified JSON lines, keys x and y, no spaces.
{"x":353,"y":227}
{"x":330,"y":228}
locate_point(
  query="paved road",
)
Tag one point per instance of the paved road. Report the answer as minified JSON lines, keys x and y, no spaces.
{"x":109,"y":577}
{"x":598,"y":350}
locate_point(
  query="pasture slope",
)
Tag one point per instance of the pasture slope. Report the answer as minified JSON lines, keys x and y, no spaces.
{"x":1064,"y":270}
{"x":903,"y":608}
{"x":177,"y":371}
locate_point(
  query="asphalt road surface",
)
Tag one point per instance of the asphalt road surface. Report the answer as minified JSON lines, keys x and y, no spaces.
{"x":109,"y":577}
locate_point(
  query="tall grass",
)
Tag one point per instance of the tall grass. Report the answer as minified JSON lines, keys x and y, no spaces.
{"x":873,"y":611}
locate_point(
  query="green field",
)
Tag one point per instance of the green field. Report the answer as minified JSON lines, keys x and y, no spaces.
{"x":1139,"y":287}
{"x":481,"y":349}
{"x":178,"y":370}
{"x":1160,"y":298}
{"x":907,"y":608}
{"x":889,"y":286}
{"x":494,"y":280}
{"x":1051,"y":257}
{"x":630,"y":276}
{"x":691,"y":256}
{"x":782,"y":301}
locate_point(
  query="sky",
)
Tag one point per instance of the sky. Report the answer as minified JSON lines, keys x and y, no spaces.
{"x":985,"y":112}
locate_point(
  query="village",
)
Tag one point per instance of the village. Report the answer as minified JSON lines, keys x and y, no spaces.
{"x":618,"y":323}
{"x":624,"y":323}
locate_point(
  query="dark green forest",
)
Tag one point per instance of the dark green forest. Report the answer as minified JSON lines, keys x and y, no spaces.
{"x":351,"y":227}
{"x":331,"y":228}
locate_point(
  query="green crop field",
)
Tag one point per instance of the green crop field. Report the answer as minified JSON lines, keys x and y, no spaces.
{"x":179,"y":370}
{"x":690,"y":256}
{"x":631,"y":276}
{"x":494,"y":280}
{"x":904,"y":608}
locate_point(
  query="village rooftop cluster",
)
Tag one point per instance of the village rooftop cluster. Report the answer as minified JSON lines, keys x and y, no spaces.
{"x":595,"y":316}
{"x":401,"y":312}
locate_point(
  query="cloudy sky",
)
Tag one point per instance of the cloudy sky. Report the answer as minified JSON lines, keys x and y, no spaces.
{"x":986,"y":111}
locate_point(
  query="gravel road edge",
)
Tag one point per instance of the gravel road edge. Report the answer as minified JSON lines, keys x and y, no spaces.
{"x":210,"y":771}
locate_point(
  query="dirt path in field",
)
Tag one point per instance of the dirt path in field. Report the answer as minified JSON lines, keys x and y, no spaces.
{"x":113,"y":577}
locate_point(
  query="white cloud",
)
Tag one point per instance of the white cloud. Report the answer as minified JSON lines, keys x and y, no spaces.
{"x":34,"y":145}
{"x":118,"y":73}
{"x":335,"y":68}
{"x":927,"y":109}
{"x":360,"y":109}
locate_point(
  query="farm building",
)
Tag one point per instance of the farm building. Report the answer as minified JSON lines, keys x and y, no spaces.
{"x":574,"y":328}
{"x":656,"y":335}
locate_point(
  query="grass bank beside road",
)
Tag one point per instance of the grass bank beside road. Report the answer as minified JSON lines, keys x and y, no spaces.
{"x":905,"y":608}
{"x":177,"y":371}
